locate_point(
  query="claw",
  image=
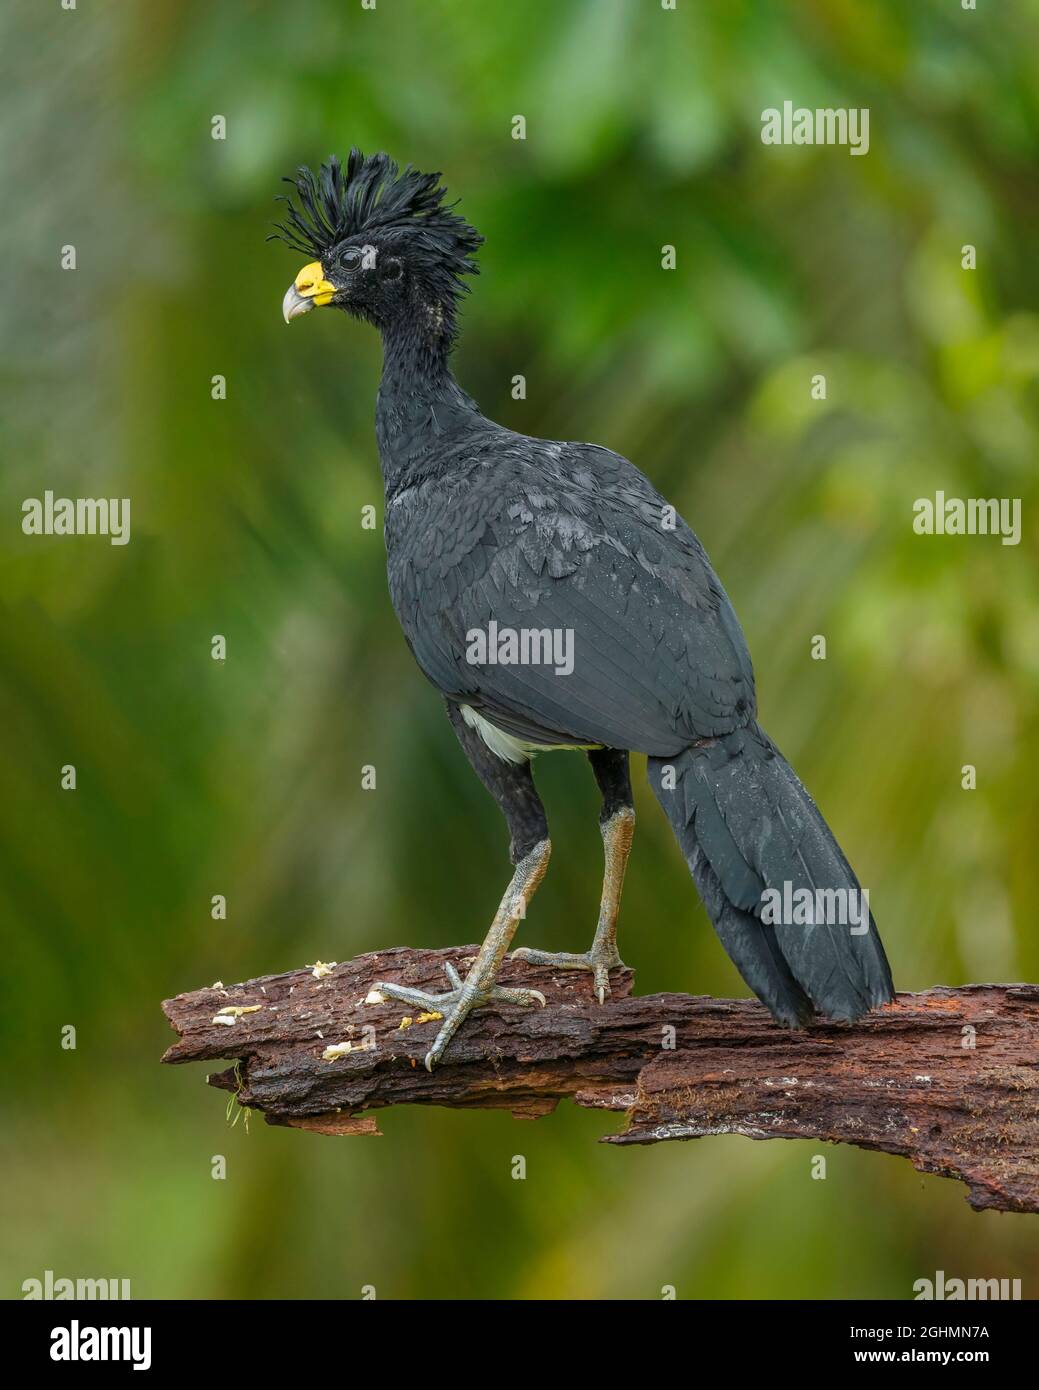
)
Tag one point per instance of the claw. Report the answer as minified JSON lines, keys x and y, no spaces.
{"x":602,"y":983}
{"x":598,"y":962}
{"x":456,"y":1004}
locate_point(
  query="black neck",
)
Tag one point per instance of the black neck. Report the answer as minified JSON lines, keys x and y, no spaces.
{"x":419,"y":401}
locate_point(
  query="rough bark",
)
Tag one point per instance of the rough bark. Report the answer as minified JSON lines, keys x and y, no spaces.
{"x":948,"y":1078}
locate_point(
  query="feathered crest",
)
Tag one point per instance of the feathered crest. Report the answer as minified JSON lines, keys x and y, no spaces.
{"x":374,"y":195}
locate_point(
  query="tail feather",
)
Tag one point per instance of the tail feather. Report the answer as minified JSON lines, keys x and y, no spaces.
{"x":752,"y":947}
{"x":747,"y":825}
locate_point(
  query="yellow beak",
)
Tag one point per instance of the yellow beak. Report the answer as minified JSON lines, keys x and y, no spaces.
{"x":309,"y":289}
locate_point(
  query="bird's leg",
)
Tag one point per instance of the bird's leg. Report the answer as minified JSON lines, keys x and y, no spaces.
{"x":512,"y":786}
{"x":478,"y":987}
{"x":602,"y":956}
{"x":617,"y":824}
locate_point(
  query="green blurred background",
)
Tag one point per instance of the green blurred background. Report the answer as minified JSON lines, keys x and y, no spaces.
{"x":243,"y":778}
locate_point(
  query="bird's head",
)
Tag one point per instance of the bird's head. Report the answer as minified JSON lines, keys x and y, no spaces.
{"x":380,"y":241}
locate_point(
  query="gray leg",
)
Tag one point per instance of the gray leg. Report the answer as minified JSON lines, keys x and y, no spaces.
{"x":512,"y":786}
{"x":617,"y":825}
{"x":478,"y":987}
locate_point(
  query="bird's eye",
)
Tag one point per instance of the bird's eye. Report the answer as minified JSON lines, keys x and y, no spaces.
{"x":350,"y":259}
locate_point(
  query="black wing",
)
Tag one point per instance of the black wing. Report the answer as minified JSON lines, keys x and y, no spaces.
{"x":569,"y":537}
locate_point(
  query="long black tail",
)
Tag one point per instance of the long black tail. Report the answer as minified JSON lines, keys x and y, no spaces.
{"x":746,"y":826}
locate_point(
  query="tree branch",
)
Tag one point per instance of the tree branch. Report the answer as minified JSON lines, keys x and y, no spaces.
{"x":948,"y":1078}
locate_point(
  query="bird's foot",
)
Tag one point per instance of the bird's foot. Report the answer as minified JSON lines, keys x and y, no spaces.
{"x":457,"y":1003}
{"x":599,"y":960}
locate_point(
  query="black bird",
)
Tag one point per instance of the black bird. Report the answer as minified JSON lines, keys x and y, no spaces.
{"x":556,"y":601}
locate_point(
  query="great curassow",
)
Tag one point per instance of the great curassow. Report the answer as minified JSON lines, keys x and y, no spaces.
{"x":556,"y":601}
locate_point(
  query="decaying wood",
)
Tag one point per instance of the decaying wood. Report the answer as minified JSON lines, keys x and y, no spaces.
{"x":948,"y":1078}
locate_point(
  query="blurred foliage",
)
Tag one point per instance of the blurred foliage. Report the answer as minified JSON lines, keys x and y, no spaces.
{"x":243,"y":778}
